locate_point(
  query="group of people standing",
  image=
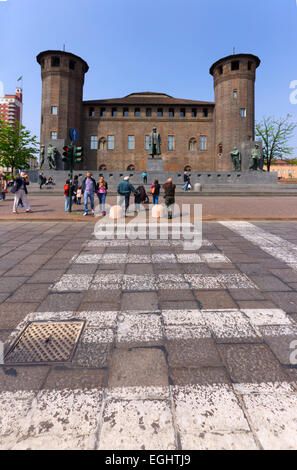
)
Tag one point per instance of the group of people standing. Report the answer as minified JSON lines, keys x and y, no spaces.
{"x":88,"y":189}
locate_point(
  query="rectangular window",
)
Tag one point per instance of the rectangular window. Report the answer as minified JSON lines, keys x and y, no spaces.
{"x":131,"y":142}
{"x":171,"y":112}
{"x":110,"y":142}
{"x":126,"y":112}
{"x":203,"y":142}
{"x":55,"y":110}
{"x":194,"y":112}
{"x":160,"y":112}
{"x":205,"y":112}
{"x":55,"y":62}
{"x":148,"y":112}
{"x":182,"y":112}
{"x":171,"y":142}
{"x":235,"y":94}
{"x":54,"y":135}
{"x":94,"y":142}
{"x":235,"y":65}
{"x":147,"y":145}
{"x":114,"y":112}
{"x":249,"y":65}
{"x":243,"y":112}
{"x":71,"y":65}
{"x":137,"y":112}
{"x":102,"y":112}
{"x":91,"y":112}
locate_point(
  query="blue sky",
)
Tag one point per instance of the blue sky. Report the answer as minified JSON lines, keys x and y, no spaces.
{"x":141,"y":45}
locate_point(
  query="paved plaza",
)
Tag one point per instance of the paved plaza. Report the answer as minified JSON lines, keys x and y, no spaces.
{"x":178,"y":349}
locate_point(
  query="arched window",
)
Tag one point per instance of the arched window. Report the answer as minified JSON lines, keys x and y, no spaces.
{"x":131,"y":168}
{"x":102,"y":167}
{"x":102,"y":143}
{"x":193,"y":145}
{"x":188,"y":168}
{"x":220,"y":150}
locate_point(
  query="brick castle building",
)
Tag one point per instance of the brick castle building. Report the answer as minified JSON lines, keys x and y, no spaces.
{"x":196,"y":135}
{"x":11,"y":107}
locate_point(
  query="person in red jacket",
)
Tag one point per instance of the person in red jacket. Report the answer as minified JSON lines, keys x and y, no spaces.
{"x":66,"y":195}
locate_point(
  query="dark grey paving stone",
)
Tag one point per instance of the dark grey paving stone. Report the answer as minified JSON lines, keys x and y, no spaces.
{"x":179,"y":305}
{"x":113,"y":295}
{"x":62,"y":302}
{"x":200,"y":376}
{"x":256,"y":304}
{"x":11,"y":314}
{"x":217,"y":299}
{"x":197,"y":268}
{"x":29,"y":378}
{"x":269,"y":283}
{"x":282,"y":341}
{"x":251,"y":363}
{"x":71,"y":378}
{"x":147,"y":301}
{"x":284,"y":300}
{"x":99,"y":306}
{"x":247,"y":294}
{"x":252,"y":268}
{"x":46,"y":276}
{"x":193,"y":353}
{"x":30,"y":293}
{"x":81,"y":269}
{"x":12,"y":283}
{"x":139,"y":269}
{"x":175,"y":295}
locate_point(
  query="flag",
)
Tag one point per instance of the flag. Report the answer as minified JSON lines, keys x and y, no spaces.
{"x":19,"y":79}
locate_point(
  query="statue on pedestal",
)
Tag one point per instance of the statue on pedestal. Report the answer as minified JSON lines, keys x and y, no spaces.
{"x":154,"y":143}
{"x":42,"y":155}
{"x":256,"y":158}
{"x":51,"y":157}
{"x":236,"y":159}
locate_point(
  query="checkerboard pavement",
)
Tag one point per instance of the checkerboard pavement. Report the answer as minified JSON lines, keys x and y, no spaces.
{"x":181,"y":349}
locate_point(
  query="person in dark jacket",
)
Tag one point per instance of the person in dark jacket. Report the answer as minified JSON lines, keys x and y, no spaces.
{"x":169,"y":195}
{"x":125,"y":189}
{"x":186,"y":181}
{"x":89,"y":188}
{"x":20,"y":191}
{"x":155,"y":191}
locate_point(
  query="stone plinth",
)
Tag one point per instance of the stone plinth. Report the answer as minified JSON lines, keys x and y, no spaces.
{"x":155,"y":165}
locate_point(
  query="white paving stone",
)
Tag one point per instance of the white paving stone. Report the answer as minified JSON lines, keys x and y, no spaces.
{"x":236,"y":281}
{"x":139,"y":259}
{"x":137,"y":425}
{"x":133,"y":282}
{"x":99,"y":319}
{"x":114,"y":258}
{"x":172,"y":282}
{"x":73,"y":282}
{"x":214,"y":258}
{"x":140,"y":329}
{"x":218,"y":441}
{"x":88,"y":259}
{"x":174,"y":333}
{"x":183,"y":317}
{"x":201,"y":281}
{"x":163,"y":258}
{"x":66,"y":419}
{"x":229,"y":325}
{"x":263,"y":317}
{"x":107,"y":281}
{"x":189,"y":258}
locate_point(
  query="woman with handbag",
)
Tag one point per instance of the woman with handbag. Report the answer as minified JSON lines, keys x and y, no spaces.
{"x":102,"y":188}
{"x":155,"y":191}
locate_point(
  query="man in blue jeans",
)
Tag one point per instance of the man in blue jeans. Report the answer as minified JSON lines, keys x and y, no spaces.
{"x":88,"y":190}
{"x":125,"y":188}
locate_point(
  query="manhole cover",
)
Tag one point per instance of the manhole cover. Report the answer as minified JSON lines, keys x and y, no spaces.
{"x":44,"y":342}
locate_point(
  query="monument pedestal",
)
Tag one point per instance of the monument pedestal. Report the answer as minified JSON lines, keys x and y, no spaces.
{"x":154,"y":165}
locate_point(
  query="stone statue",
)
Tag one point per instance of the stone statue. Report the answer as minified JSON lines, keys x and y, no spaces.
{"x":42,"y":155}
{"x":154,"y":143}
{"x":236,"y":159}
{"x":51,"y":156}
{"x":255,"y":163}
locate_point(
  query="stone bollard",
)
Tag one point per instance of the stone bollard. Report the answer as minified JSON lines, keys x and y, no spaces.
{"x":116,"y":212}
{"x":158,"y":211}
{"x":197,"y":187}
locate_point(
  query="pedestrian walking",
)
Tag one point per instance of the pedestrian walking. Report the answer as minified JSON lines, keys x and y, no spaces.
{"x":42,"y":180}
{"x":155,"y":191}
{"x":20,"y":191}
{"x":169,"y":195}
{"x":125,"y":189}
{"x":144,"y":177}
{"x":75,"y":187}
{"x":89,"y":188}
{"x":102,"y":188}
{"x":186,"y":181}
{"x":67,"y":195}
{"x":3,"y":187}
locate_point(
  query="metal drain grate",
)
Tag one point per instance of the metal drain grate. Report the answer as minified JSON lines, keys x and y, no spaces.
{"x":45,"y":342}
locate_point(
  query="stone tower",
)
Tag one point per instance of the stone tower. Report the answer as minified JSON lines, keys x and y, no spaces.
{"x":63,"y":76}
{"x":234,"y":84}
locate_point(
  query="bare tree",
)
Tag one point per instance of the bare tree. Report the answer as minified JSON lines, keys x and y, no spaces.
{"x":275,"y":135}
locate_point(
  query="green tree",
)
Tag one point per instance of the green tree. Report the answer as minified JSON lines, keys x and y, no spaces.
{"x":17,"y":146}
{"x":275,"y":135}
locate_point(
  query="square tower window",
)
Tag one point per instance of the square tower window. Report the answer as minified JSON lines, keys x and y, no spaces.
{"x":171,"y":112}
{"x":160,"y":112}
{"x":220,"y":70}
{"x":94,"y":142}
{"x":235,"y":94}
{"x":91,"y":112}
{"x":243,"y":112}
{"x":54,"y":135}
{"x":249,"y":65}
{"x":148,"y":112}
{"x":205,"y":112}
{"x":126,"y":112}
{"x":110,"y":142}
{"x":71,"y":65}
{"x":194,"y":112}
{"x":114,"y":112}
{"x":55,"y":62}
{"x":54,"y":110}
{"x":102,"y":112}
{"x":235,"y":65}
{"x":137,"y":112}
{"x":182,"y":112}
{"x":131,"y":142}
